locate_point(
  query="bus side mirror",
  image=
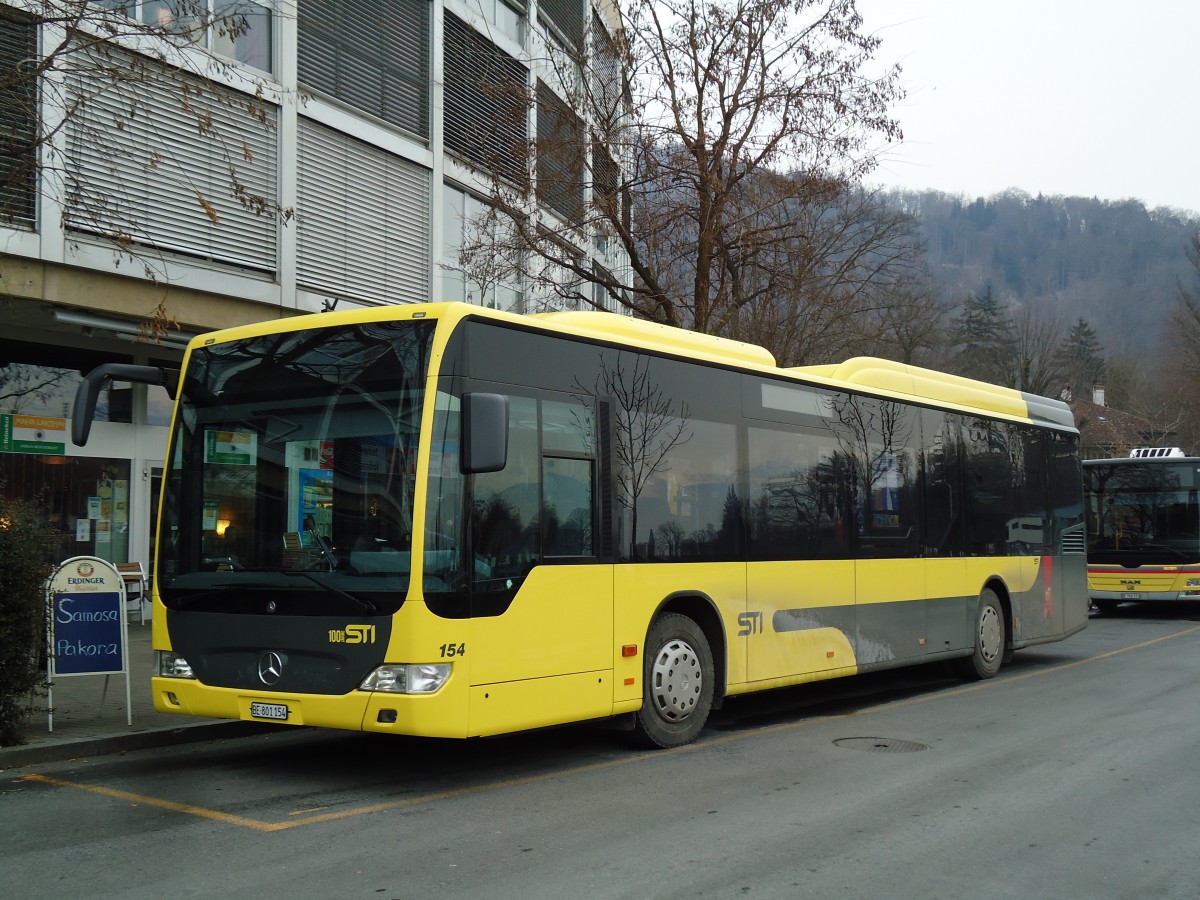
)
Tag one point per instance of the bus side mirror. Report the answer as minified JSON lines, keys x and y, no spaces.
{"x":484,"y":432}
{"x":89,"y":390}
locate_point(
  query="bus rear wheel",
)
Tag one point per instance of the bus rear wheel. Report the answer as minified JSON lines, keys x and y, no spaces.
{"x":990,"y":639}
{"x":677,"y":683}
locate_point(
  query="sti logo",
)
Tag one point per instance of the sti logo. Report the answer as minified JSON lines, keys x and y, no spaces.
{"x":352,"y":634}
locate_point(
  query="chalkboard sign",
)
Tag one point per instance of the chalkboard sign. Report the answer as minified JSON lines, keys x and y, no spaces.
{"x":87,"y":622}
{"x":88,"y":634}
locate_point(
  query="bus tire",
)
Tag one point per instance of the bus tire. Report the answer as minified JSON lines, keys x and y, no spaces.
{"x":677,"y":683}
{"x":1106,"y":607}
{"x":990,"y":639}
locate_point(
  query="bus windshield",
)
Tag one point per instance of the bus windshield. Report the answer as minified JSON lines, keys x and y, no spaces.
{"x":1142,"y":513}
{"x":292,"y":475}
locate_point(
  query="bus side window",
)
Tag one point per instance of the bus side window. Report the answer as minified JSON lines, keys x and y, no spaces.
{"x":568,"y":507}
{"x":504,"y":512}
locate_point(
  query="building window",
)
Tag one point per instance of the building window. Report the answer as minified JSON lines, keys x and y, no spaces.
{"x":463,"y":215}
{"x":197,"y":178}
{"x":601,"y":297}
{"x":238,"y":29}
{"x":560,"y":155}
{"x":242,"y":31}
{"x":555,"y":283}
{"x":18,"y":119}
{"x":85,"y":499}
{"x":362,"y":219}
{"x":372,"y":55}
{"x":565,"y":18}
{"x":34,"y":384}
{"x":486,"y":99}
{"x":606,"y":79}
{"x":502,"y":18}
{"x":606,"y":177}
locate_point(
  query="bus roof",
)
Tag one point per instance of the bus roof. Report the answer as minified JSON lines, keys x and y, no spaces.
{"x":865,"y":372}
{"x":879,"y":376}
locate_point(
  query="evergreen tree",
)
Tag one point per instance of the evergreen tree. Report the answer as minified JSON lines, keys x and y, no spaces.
{"x":983,"y":339}
{"x":1082,"y":359}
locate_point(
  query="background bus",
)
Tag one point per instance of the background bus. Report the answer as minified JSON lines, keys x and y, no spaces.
{"x":448,"y":521}
{"x":1143,"y":527}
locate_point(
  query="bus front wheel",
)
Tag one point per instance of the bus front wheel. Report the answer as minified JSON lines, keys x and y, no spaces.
{"x":990,"y":638}
{"x":677,"y":683}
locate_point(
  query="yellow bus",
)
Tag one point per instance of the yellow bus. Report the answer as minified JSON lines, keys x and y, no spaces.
{"x":1143,"y":527}
{"x":450,"y":521}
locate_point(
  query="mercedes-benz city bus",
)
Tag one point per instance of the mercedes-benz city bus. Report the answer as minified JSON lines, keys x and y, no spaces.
{"x":450,"y":521}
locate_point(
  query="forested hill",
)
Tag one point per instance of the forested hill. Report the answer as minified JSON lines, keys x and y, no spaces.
{"x":1115,"y":264}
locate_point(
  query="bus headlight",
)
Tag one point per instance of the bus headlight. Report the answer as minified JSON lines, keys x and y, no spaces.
{"x":425,"y":678}
{"x":1193,"y":582}
{"x":172,"y":665}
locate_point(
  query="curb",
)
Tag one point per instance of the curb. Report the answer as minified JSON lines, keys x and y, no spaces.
{"x":20,"y":756}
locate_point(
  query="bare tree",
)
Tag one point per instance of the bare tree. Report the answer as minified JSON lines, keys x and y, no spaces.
{"x":829,"y":279}
{"x":1178,"y":370}
{"x":1151,"y":403}
{"x":735,"y":117}
{"x":94,"y":116}
{"x":912,"y":329}
{"x":1035,"y":363}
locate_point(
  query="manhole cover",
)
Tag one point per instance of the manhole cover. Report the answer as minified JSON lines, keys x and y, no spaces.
{"x":880,"y":745}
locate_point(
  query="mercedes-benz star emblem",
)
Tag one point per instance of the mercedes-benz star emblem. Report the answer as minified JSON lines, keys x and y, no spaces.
{"x":270,"y":668}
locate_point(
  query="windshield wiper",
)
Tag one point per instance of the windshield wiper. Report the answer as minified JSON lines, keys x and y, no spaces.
{"x":1169,"y":549}
{"x":361,"y":604}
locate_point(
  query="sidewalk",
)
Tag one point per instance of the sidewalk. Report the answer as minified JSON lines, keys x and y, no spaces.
{"x":91,"y":720}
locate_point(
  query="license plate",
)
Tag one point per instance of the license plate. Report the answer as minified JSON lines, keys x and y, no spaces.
{"x":1131,"y":595}
{"x":276,"y":711}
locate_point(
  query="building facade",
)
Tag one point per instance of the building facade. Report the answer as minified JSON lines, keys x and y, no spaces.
{"x":187,"y":165}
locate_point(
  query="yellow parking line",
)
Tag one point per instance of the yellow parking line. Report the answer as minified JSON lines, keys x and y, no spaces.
{"x":439,"y":796}
{"x":142,"y":799}
{"x":257,"y":825}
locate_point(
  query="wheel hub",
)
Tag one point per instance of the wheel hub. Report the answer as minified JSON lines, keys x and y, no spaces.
{"x":676,"y":681}
{"x":989,"y":634}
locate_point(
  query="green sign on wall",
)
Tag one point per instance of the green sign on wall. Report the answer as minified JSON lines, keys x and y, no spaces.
{"x":32,"y":434}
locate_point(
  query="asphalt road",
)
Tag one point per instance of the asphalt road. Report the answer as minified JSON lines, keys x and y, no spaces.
{"x":1071,"y":775}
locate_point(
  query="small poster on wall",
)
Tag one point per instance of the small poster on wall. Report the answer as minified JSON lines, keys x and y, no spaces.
{"x":211,"y":510}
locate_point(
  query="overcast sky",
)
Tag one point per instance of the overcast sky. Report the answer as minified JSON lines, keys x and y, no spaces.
{"x":1076,"y":97}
